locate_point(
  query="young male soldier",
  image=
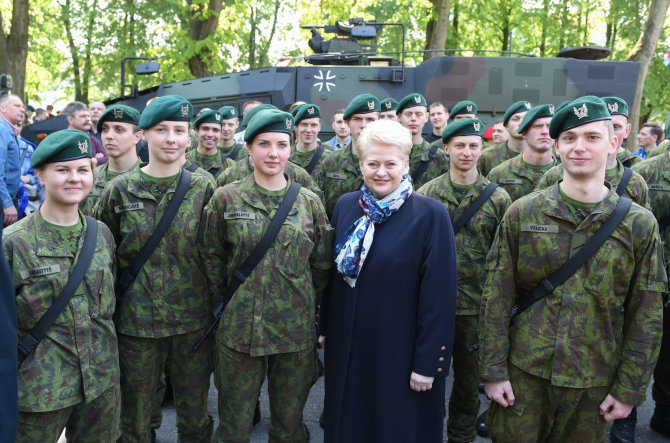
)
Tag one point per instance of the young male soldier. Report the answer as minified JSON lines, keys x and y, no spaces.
{"x":120,"y":133}
{"x":499,"y":132}
{"x":511,"y":147}
{"x":520,"y":174}
{"x":664,"y":146}
{"x":426,"y":162}
{"x":341,"y":171}
{"x":583,"y":352}
{"x":457,"y":191}
{"x":464,"y":109}
{"x":439,"y":117}
{"x":342,"y":131}
{"x":309,"y":151}
{"x":649,"y":137}
{"x":618,"y":109}
{"x":389,"y":108}
{"x":230,"y":121}
{"x":207,"y":155}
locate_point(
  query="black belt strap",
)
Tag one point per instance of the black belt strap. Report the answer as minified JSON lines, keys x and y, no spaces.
{"x":29,"y":342}
{"x":128,"y":275}
{"x":233,"y":153}
{"x":245,"y":269}
{"x":627,"y":174}
{"x":474,"y":207}
{"x":548,"y":284}
{"x":192,"y":167}
{"x":424,"y":164}
{"x":315,"y":160}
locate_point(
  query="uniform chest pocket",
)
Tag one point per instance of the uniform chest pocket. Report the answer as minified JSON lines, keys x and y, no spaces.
{"x":293,"y":248}
{"x":37,"y":294}
{"x":539,"y":255}
{"x":103,"y":300}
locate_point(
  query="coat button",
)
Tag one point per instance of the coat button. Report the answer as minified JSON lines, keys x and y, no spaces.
{"x":439,"y":369}
{"x":443,"y":348}
{"x":440,"y":359}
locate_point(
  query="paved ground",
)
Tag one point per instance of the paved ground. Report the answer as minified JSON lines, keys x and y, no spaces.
{"x":168,"y":433}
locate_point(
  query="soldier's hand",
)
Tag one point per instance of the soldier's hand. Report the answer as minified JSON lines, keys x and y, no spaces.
{"x":500,"y":392}
{"x":322,"y":341}
{"x":11,"y":215}
{"x":613,"y":409}
{"x":419,"y":383}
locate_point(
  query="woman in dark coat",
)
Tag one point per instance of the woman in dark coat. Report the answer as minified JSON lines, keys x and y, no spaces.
{"x":387,"y":320}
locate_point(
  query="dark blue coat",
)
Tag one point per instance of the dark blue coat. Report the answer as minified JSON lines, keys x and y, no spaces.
{"x":9,"y":400}
{"x":399,"y":318}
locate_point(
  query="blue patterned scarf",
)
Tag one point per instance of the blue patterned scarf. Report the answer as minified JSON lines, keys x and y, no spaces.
{"x":351,"y":251}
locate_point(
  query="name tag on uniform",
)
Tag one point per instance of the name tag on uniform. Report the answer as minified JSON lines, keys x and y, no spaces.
{"x":129,"y":207}
{"x":238,"y":215}
{"x":550,"y":229}
{"x":336,"y":176}
{"x":510,"y":181}
{"x":42,"y":270}
{"x":659,"y":187}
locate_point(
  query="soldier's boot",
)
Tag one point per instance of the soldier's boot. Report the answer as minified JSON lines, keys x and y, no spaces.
{"x":623,"y":429}
{"x":660,"y":421}
{"x":482,"y":430}
{"x":257,"y":413}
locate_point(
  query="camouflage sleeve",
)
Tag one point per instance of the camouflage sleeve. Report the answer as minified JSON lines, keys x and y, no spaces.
{"x":225,"y":177}
{"x":104,"y":212}
{"x":302,"y":177}
{"x":321,"y":258}
{"x":210,"y":241}
{"x":639,"y":191}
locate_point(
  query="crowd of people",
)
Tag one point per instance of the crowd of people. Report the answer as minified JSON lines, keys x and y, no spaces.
{"x":158,"y":248}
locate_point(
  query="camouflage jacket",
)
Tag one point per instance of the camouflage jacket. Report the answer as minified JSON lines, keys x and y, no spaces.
{"x":210,"y":163}
{"x":245,"y":167}
{"x":636,"y":189}
{"x":303,"y":159}
{"x":602,"y":326}
{"x":274,"y":310}
{"x":102,"y":177}
{"x":628,"y":158}
{"x":660,"y":149}
{"x":78,"y":359}
{"x":515,"y":177}
{"x":241,"y":153}
{"x":170,"y":294}
{"x":474,"y":240}
{"x":494,"y":156}
{"x":436,"y":167}
{"x":341,"y":174}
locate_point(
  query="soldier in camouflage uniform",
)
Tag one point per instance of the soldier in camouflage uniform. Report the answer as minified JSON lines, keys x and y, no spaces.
{"x":619,"y":110}
{"x":457,"y":190}
{"x":662,"y":147}
{"x":464,"y":109}
{"x":267,"y":327}
{"x":120,"y":134}
{"x":230,"y":121}
{"x":582,"y":355}
{"x":389,"y":108}
{"x":340,"y":170}
{"x":207,"y":155}
{"x":167,"y":306}
{"x":71,"y":379}
{"x":519,"y":175}
{"x":426,"y":162}
{"x":309,"y":151}
{"x":513,"y":146}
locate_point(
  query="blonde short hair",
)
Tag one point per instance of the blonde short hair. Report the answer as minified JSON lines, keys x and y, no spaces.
{"x":385,"y":132}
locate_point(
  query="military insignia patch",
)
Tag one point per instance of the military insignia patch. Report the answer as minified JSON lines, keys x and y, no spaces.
{"x":217,"y":116}
{"x":118,"y":113}
{"x":551,"y":109}
{"x":288,"y":123}
{"x":613,"y":107}
{"x":388,"y":105}
{"x":469,"y":108}
{"x":581,"y":112}
{"x":232,"y":112}
{"x":476,"y":126}
{"x":371,"y":106}
{"x":83,"y":146}
{"x":527,"y":105}
{"x":184,"y":110}
{"x":417,"y":99}
{"x":310,"y":111}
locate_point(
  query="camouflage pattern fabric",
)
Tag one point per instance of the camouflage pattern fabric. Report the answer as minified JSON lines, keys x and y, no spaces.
{"x":474,"y":240}
{"x":602,"y":326}
{"x":241,"y":154}
{"x":494,"y":156}
{"x":516,"y":177}
{"x":341,"y":174}
{"x":303,"y":159}
{"x":198,"y":171}
{"x":436,"y":167}
{"x":210,"y":163}
{"x":662,"y":148}
{"x":636,"y":189}
{"x":102,"y":177}
{"x":240,"y":376}
{"x":274,"y":310}
{"x":170,"y":294}
{"x":78,"y":358}
{"x":547,"y":413}
{"x":94,"y":421}
{"x":142,"y":362}
{"x":627,"y":158}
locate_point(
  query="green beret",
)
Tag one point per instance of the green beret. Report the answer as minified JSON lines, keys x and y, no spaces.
{"x":251,"y":112}
{"x":166,"y":108}
{"x":578,"y":112}
{"x":268,"y":120}
{"x":522,"y":106}
{"x":30,"y":108}
{"x":616,"y":105}
{"x":306,"y":111}
{"x":295,"y":109}
{"x":410,"y":101}
{"x":464,"y":107}
{"x":561,"y":105}
{"x":62,"y":146}
{"x":207,"y":116}
{"x":228,"y":112}
{"x":463,"y":126}
{"x":119,"y":114}
{"x":388,"y":104}
{"x":539,"y":111}
{"x":362,"y":104}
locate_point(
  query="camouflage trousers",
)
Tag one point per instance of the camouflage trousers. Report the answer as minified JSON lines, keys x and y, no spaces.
{"x":142,"y":362}
{"x":96,"y":421}
{"x":464,"y":400}
{"x":545,"y":413}
{"x":661,"y":388}
{"x":239,"y":378}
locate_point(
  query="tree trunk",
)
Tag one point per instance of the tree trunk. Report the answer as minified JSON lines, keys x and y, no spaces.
{"x":438,"y":27}
{"x":14,"y":46}
{"x":202,"y":23}
{"x":643,"y":51}
{"x":454,"y":26}
{"x":74,"y":53}
{"x":564,"y":25}
{"x":266,"y":48}
{"x":543,"y":38}
{"x":252,"y":39}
